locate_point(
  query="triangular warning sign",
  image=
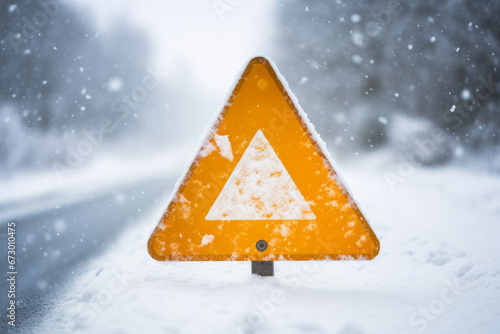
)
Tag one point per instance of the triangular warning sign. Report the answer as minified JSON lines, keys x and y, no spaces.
{"x":262,"y":174}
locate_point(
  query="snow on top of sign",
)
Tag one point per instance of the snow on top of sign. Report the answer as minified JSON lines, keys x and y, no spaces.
{"x":221,"y":142}
{"x":260,"y":188}
{"x":224,"y":146}
{"x":207,"y":238}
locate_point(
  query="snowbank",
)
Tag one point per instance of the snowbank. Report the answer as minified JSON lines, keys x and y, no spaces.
{"x":437,"y":272}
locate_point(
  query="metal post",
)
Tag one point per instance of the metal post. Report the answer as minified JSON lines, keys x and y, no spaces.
{"x":263,"y":268}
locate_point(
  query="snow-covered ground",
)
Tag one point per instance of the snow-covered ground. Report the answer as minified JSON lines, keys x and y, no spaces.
{"x":437,"y":272}
{"x":28,"y":193}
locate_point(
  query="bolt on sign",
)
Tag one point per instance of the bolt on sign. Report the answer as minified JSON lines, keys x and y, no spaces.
{"x":262,"y":187}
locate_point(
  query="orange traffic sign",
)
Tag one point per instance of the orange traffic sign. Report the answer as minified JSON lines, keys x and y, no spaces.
{"x":262,"y":187}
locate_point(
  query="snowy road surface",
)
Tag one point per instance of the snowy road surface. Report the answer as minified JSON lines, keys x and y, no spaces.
{"x":60,"y":226}
{"x":82,"y":230}
{"x":437,"y":272}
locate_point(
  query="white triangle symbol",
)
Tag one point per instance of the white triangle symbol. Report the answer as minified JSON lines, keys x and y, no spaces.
{"x":260,"y":188}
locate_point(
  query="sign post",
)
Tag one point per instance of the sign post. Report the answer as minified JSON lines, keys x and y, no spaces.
{"x":263,"y":268}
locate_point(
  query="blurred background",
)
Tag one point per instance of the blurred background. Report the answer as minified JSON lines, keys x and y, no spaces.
{"x":369,"y":77}
{"x":103,"y":103}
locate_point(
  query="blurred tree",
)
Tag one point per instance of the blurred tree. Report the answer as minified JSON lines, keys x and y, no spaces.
{"x":60,"y":76}
{"x":355,"y":65}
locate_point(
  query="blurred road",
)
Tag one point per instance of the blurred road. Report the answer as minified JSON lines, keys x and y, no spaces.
{"x":52,"y":244}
